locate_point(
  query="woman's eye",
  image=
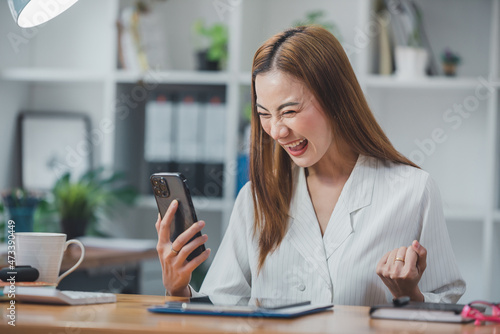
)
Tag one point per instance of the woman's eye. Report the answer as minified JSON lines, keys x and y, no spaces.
{"x":289,"y":112}
{"x":263,"y":114}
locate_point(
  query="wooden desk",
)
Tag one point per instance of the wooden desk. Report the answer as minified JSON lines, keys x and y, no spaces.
{"x":130,"y":315}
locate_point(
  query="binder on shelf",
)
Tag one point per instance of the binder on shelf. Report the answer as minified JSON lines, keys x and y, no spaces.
{"x":188,"y":126}
{"x":188,"y":129}
{"x":159,"y":141}
{"x":214,"y":133}
{"x":187,"y":136}
{"x":214,"y":146}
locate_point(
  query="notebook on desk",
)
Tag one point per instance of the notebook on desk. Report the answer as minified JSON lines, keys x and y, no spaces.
{"x":419,"y":311}
{"x":241,"y":307}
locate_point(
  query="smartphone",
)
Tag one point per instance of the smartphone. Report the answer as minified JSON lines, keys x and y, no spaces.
{"x":166,"y":188}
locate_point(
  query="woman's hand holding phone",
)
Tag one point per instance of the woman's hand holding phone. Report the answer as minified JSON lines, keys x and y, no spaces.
{"x":176,"y":270}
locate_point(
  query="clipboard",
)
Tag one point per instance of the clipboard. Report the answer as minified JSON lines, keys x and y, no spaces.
{"x":283,"y":312}
{"x":420,"y":311}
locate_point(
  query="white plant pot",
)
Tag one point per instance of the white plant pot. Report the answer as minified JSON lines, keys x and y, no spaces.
{"x":410,"y":62}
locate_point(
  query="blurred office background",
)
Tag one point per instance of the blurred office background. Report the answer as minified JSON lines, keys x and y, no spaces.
{"x":139,"y":87}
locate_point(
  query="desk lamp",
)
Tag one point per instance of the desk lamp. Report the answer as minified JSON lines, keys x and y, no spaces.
{"x":30,"y":13}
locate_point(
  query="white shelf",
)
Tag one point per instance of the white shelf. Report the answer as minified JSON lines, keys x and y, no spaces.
{"x":173,"y":77}
{"x":200,"y":203}
{"x":51,"y":75}
{"x":375,"y":81}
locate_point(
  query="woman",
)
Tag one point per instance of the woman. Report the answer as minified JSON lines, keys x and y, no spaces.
{"x":332,"y":212}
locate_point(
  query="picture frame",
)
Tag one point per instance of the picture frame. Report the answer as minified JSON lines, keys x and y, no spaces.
{"x":52,"y":143}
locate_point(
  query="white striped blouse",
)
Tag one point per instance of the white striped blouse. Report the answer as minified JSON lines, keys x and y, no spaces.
{"x":382,"y":206}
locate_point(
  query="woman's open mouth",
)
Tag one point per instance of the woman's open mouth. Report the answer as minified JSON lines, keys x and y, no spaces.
{"x":297,"y":148}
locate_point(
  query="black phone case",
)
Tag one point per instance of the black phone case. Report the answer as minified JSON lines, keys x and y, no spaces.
{"x":166,"y":188}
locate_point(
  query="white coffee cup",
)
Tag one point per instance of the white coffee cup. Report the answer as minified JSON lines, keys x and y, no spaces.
{"x":44,"y":251}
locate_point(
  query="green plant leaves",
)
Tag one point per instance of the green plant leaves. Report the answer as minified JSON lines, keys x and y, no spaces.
{"x":97,"y":191}
{"x":216,"y":35}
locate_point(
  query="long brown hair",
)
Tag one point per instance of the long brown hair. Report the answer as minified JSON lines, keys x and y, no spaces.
{"x":316,"y":58}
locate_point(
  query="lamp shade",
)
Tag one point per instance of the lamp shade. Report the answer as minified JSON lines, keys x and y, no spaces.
{"x":30,"y":13}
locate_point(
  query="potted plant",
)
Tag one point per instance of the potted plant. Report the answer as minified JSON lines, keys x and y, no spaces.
{"x":211,"y":45}
{"x":450,"y":60}
{"x":411,"y":57}
{"x":80,"y":202}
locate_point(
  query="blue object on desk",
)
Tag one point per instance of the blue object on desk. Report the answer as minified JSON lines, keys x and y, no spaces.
{"x":238,"y":310}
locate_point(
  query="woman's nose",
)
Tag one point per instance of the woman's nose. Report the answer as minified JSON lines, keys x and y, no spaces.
{"x":278,"y":130}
